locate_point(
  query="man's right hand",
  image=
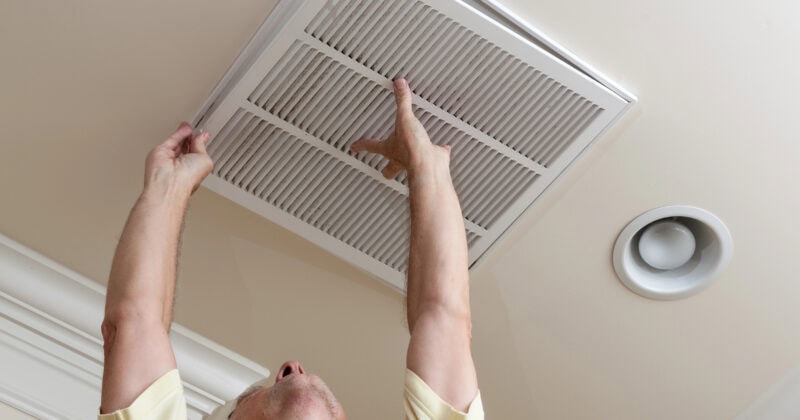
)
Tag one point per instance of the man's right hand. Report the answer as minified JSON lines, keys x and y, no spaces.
{"x":409,"y":147}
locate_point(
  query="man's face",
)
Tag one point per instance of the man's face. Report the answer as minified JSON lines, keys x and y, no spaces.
{"x":295,"y":395}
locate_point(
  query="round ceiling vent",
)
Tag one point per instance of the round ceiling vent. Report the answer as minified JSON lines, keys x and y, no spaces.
{"x":672,"y":252}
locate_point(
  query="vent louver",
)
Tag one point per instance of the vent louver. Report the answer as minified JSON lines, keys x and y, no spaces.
{"x":317,"y":76}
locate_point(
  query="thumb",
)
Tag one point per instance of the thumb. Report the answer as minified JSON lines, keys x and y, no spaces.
{"x":198,"y":143}
{"x":369,"y":145}
{"x":402,"y":95}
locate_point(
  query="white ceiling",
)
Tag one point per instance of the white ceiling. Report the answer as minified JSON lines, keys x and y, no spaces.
{"x":88,"y":88}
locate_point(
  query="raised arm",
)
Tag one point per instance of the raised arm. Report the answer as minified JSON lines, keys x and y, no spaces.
{"x":142,"y":282}
{"x":438,"y":281}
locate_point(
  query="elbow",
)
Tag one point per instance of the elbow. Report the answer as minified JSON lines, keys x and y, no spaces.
{"x":109,"y":332}
{"x":129,"y":318}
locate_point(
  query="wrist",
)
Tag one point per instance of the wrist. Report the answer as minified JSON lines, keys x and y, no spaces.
{"x":429,"y":172}
{"x":166,"y":194}
{"x":166,"y":185}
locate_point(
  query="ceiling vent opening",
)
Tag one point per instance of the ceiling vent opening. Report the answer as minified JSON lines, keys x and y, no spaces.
{"x":515,"y":107}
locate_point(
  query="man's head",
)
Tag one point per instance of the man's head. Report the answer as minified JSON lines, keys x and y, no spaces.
{"x":295,"y":395}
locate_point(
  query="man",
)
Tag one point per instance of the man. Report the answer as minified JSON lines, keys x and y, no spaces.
{"x":140,"y":380}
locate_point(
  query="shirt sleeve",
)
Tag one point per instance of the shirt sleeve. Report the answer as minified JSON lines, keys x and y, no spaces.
{"x":162,"y":400}
{"x":422,"y":403}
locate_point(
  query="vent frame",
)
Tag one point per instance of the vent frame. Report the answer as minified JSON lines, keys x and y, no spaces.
{"x":287,"y":24}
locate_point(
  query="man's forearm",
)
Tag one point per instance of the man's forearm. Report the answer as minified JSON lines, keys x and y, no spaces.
{"x":142,"y":280}
{"x":437,"y":273}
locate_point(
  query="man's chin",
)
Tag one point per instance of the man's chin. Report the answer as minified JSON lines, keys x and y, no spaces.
{"x":301,"y":381}
{"x":308,"y":395}
{"x":300,"y":386}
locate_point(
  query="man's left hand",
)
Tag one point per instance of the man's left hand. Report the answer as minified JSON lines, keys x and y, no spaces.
{"x":180,"y":163}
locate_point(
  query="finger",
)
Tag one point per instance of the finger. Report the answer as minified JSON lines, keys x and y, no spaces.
{"x":199,"y":142}
{"x":369,"y":145}
{"x":391,"y":170}
{"x":402,"y":95}
{"x":174,"y":140}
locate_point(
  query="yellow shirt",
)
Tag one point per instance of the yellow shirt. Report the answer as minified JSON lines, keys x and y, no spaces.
{"x":164,"y":400}
{"x":422,"y":403}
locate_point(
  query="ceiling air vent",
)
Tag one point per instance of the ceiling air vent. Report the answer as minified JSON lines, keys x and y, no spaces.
{"x":516,"y":108}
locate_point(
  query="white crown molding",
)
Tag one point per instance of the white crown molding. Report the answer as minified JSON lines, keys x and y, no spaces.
{"x":52,"y":351}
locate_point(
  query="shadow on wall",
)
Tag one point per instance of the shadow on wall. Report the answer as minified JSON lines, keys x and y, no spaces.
{"x":778,"y":402}
{"x":504,"y":388}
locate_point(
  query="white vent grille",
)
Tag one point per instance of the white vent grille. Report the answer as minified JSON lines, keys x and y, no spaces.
{"x":317,"y":77}
{"x":313,"y":186}
{"x":459,"y":72}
